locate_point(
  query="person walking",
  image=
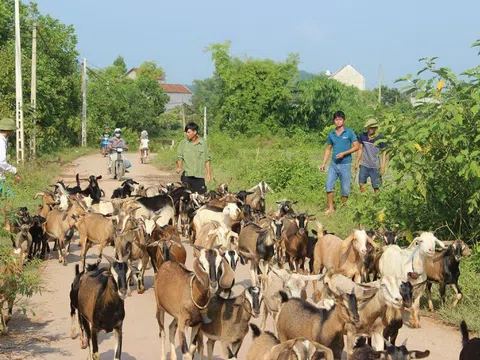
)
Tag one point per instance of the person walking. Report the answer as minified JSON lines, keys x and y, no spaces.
{"x":7,"y":126}
{"x":344,"y":143}
{"x":369,"y":157}
{"x":194,"y":159}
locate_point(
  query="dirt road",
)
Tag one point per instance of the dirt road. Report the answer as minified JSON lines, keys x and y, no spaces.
{"x":46,"y":334}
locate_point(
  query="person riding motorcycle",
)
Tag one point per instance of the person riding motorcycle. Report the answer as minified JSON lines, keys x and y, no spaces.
{"x":114,"y":143}
{"x":104,"y":138}
{"x":144,"y":142}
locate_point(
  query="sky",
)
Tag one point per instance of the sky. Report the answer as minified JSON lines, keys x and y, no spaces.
{"x":326,"y":34}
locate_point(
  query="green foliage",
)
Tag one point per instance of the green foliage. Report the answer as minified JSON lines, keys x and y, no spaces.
{"x":58,"y":75}
{"x":252,"y":96}
{"x":117,"y":101}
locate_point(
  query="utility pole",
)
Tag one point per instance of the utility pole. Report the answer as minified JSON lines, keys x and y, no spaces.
{"x":183,"y":116}
{"x":84,"y":102}
{"x":33,"y":99}
{"x":18,"y":86}
{"x":205,"y":122}
{"x":380,"y":84}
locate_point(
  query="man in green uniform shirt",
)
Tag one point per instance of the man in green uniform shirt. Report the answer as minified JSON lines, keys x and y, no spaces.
{"x":194,"y":158}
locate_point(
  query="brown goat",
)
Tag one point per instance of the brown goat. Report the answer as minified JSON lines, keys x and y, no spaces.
{"x":345,"y":257}
{"x":184,"y":294}
{"x":156,"y":251}
{"x":48,"y":202}
{"x":59,"y":226}
{"x":296,"y":242}
{"x":300,"y":318}
{"x":94,"y":229}
{"x":266,"y":346}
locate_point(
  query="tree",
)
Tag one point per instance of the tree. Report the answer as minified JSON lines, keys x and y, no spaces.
{"x":120,"y":63}
{"x":392,"y":96}
{"x":58,"y":75}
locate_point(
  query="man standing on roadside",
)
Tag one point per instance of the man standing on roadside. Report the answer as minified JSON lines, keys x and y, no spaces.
{"x":194,"y":158}
{"x":7,"y":126}
{"x":344,"y":143}
{"x":369,"y":157}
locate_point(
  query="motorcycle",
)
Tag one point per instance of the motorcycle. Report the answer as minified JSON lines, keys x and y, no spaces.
{"x":118,"y":165}
{"x":104,"y":147}
{"x":144,"y":156}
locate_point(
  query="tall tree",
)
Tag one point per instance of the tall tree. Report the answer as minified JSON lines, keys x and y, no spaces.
{"x":120,"y":63}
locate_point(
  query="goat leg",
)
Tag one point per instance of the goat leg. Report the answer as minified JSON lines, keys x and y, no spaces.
{"x":459,"y":293}
{"x":193,"y":340}
{"x":210,"y":347}
{"x":118,"y":346}
{"x":94,"y":340}
{"x":161,"y":333}
{"x":171,"y":335}
{"x":428,"y":293}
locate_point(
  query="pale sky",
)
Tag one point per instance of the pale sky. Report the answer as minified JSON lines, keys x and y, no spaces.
{"x":326,"y":34}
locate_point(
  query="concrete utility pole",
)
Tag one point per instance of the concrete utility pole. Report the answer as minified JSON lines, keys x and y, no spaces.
{"x":380,"y":84}
{"x":183,"y":117}
{"x":205,"y":122}
{"x":18,"y":87}
{"x":33,"y":99}
{"x":84,"y":102}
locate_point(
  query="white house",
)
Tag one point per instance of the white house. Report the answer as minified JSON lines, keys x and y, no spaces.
{"x":178,"y":94}
{"x":348,"y":75}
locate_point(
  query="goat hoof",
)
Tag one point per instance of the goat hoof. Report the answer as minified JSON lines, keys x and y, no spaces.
{"x":141,"y":291}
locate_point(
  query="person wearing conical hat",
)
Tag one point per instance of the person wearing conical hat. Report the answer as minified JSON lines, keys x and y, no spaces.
{"x":369,"y":157}
{"x":7,"y":126}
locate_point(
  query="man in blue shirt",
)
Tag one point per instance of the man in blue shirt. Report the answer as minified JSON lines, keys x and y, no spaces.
{"x":344,"y":143}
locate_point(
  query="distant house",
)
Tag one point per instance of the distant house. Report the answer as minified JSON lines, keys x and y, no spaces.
{"x":178,"y":94}
{"x":348,"y":75}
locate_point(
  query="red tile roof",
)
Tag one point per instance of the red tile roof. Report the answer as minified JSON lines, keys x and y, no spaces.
{"x":175,"y":88}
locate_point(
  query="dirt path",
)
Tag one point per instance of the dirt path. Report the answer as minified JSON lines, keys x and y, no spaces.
{"x":46,"y":335}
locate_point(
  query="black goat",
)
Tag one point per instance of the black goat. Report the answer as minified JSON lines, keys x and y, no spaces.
{"x":444,"y":269}
{"x":93,"y":190}
{"x":40,"y":244}
{"x":126,"y":189}
{"x":366,"y":352}
{"x":470,"y":347}
{"x":99,"y":295}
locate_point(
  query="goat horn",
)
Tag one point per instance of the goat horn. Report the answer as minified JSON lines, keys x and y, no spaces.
{"x":441,"y":244}
{"x":41,"y":193}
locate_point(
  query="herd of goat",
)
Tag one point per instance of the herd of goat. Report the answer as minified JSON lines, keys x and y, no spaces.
{"x":361,"y":286}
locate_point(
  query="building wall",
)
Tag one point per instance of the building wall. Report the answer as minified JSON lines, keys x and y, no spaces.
{"x":177,"y":99}
{"x":349,"y":76}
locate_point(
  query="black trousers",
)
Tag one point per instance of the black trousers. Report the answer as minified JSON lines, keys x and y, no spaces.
{"x":194,"y":184}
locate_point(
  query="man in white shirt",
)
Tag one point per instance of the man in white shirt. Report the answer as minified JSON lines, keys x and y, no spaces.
{"x":7,"y":126}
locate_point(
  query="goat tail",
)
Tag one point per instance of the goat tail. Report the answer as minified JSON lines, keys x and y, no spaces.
{"x":78,"y":179}
{"x":256,"y":332}
{"x":283,"y":296}
{"x":165,"y":252}
{"x":77,"y":269}
{"x":464,"y":330}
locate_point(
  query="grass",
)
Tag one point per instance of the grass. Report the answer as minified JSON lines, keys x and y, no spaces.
{"x":290,"y":167}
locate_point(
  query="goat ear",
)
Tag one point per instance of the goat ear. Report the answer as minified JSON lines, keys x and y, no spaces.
{"x":315,"y":232}
{"x":98,"y":177}
{"x":198,"y":247}
{"x":416,"y":354}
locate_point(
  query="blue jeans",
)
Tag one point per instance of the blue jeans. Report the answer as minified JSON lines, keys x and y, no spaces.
{"x":341,"y":171}
{"x":371,"y":173}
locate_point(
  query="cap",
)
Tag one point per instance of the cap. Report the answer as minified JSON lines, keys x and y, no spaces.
{"x":118,"y":130}
{"x":371,"y":123}
{"x":7,"y":124}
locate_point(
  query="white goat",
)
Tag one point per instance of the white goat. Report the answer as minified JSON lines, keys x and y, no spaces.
{"x":410,"y":264}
